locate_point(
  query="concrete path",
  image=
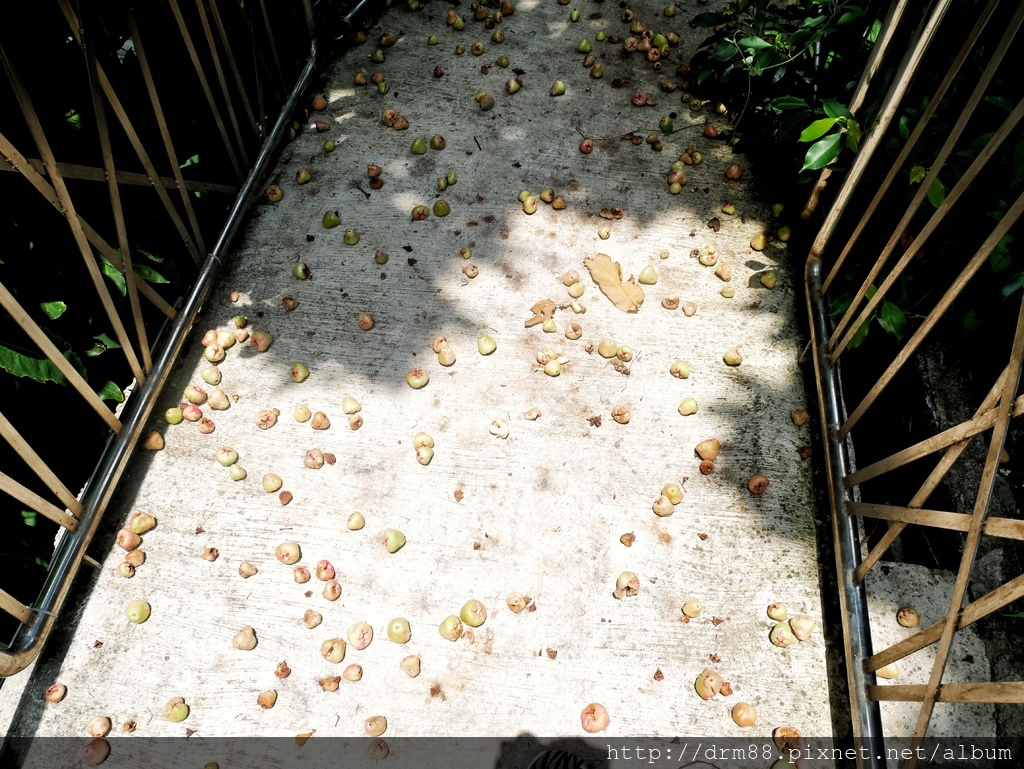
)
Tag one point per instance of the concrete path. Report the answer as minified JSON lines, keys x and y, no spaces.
{"x":540,"y":512}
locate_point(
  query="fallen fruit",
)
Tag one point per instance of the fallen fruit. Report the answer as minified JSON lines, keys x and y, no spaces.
{"x":288,"y":553}
{"x":394,"y":540}
{"x":355,"y":522}
{"x":907,"y":616}
{"x":410,"y":665}
{"x":782,"y":635}
{"x":399,"y":630}
{"x":417,"y":378}
{"x":663,"y":506}
{"x":473,"y":613}
{"x":176,"y":710}
{"x":757,"y":484}
{"x":55,"y":693}
{"x":267,"y":699}
{"x":692,"y":608}
{"x":708,"y":449}
{"x":688,"y":407}
{"x":333,"y":650}
{"x":743,"y":714}
{"x":137,"y":611}
{"x":627,"y":584}
{"x":708,"y":684}
{"x":96,"y":752}
{"x":778,"y":611}
{"x":889,"y":671}
{"x":769,"y":279}
{"x":733,"y":172}
{"x":451,"y":628}
{"x":594,"y":718}
{"x":732,"y":357}
{"x":680,"y":369}
{"x":802,"y":625}
{"x":375,"y":726}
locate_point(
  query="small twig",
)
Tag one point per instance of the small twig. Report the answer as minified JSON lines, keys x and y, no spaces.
{"x":478,"y":144}
{"x":358,"y":187}
{"x":746,"y":101}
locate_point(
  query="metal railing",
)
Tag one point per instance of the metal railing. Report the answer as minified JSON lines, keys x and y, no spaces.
{"x":869,"y":223}
{"x":251,"y":94}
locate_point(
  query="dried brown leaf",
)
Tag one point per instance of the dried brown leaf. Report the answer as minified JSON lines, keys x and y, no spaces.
{"x":541,"y":312}
{"x":624,"y":294}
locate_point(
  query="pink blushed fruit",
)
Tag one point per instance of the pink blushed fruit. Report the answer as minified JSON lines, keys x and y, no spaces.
{"x":365,"y":321}
{"x":206,"y":426}
{"x":275,"y":194}
{"x":802,"y":625}
{"x":261,"y":340}
{"x":96,"y":752}
{"x":226,"y":456}
{"x":586,"y":146}
{"x":320,"y":421}
{"x":246,"y":570}
{"x":55,"y":693}
{"x":288,"y":553}
{"x":135,"y":558}
{"x":128,"y":539}
{"x":743,"y":714}
{"x":733,"y":172}
{"x":314,"y":459}
{"x":778,"y":611}
{"x":782,"y":635}
{"x":301,"y":574}
{"x":663,"y":506}
{"x":98,"y":727}
{"x":353,"y":672}
{"x":191,"y":412}
{"x":594,"y":718}
{"x":360,"y":635}
{"x":324,"y":571}
{"x":312,"y":619}
{"x":333,"y":650}
{"x":417,"y":378}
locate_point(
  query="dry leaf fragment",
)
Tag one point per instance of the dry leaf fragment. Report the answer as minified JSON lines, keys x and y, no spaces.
{"x":628,"y":539}
{"x":459,"y":494}
{"x":552,"y":653}
{"x":658,"y":675}
{"x":300,"y":739}
{"x":626,"y":295}
{"x":542,"y":311}
{"x":716,"y":621}
{"x":714,"y":658}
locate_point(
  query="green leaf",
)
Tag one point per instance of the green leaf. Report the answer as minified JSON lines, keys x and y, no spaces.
{"x":817,"y":129}
{"x":814,"y":21}
{"x":148,"y":274}
{"x":893,"y":320}
{"x":851,"y":15}
{"x":724,"y":50}
{"x":73,"y":119}
{"x":106,"y":341}
{"x":973,"y":321}
{"x":835,"y":109}
{"x":1015,"y":285}
{"x":1001,"y":102}
{"x":872,"y":34}
{"x":904,"y":128}
{"x":29,"y":517}
{"x":861,"y":334}
{"x":784,"y":103}
{"x":110,"y":392}
{"x":190,"y":162}
{"x":708,"y":19}
{"x":917,"y":174}
{"x":114,"y":274}
{"x":53,"y":310}
{"x":840,"y":306}
{"x":39,"y":369}
{"x":1000,"y":259}
{"x":149,"y":255}
{"x":754,"y":43}
{"x":822,"y":152}
{"x":853,"y":135}
{"x":937,"y":193}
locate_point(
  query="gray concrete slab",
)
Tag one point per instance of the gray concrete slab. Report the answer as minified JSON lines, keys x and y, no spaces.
{"x":540,"y":512}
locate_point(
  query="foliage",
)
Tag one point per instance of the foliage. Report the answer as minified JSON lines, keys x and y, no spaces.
{"x":789,"y":53}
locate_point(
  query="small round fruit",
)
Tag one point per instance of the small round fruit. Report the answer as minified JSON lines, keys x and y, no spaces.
{"x":486,"y":345}
{"x":594,"y":718}
{"x":743,"y":714}
{"x":907,"y":616}
{"x":137,"y":611}
{"x":473,"y":613}
{"x":451,"y":628}
{"x":399,"y":630}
